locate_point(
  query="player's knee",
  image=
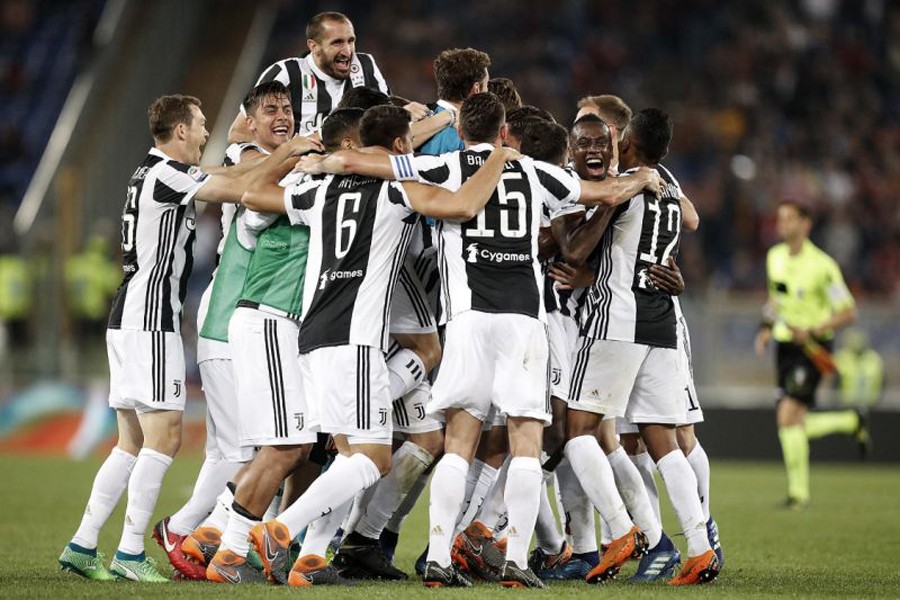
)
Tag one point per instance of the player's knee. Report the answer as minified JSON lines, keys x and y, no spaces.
{"x":687,"y":440}
{"x":632,"y":443}
{"x":431,"y":442}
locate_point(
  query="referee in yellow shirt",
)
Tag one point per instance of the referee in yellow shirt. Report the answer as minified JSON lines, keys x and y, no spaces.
{"x":808,"y":302}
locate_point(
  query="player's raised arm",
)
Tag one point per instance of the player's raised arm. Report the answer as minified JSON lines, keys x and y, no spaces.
{"x":617,"y":190}
{"x":360,"y":162}
{"x":259,"y":188}
{"x":470,"y":199}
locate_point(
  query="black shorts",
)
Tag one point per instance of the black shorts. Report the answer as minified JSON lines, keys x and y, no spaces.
{"x":798,"y":377}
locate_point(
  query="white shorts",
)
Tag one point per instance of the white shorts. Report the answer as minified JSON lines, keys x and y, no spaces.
{"x":411,"y":310}
{"x":694,"y":410}
{"x":351,"y":390}
{"x":495,"y":418}
{"x":563,"y":334}
{"x":494,"y":359}
{"x":222,"y":426}
{"x":642,"y":383}
{"x":146,"y":370}
{"x":409,"y":412}
{"x":272,"y":403}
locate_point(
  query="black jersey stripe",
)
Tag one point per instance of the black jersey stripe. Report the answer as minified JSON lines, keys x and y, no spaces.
{"x":153,"y":299}
{"x":395,"y":273}
{"x":419,"y":304}
{"x":271,"y":74}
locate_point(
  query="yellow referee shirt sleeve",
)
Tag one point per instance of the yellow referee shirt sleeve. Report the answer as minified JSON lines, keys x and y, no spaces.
{"x":839,"y":296}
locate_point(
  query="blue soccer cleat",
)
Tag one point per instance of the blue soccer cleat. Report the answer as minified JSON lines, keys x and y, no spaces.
{"x":577,"y":567}
{"x":712,"y":532}
{"x":659,"y":563}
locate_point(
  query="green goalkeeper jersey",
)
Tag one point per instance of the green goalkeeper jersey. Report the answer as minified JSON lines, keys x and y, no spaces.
{"x":277,"y":270}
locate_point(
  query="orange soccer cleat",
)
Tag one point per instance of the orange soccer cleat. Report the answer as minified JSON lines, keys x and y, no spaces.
{"x":702,"y":568}
{"x":228,"y":567}
{"x":619,"y":552}
{"x":202,"y":544}
{"x":273,"y":543}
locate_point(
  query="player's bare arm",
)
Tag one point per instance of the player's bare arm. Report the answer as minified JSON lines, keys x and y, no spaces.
{"x":569,"y":277}
{"x":234,"y":181}
{"x":424,"y":130}
{"x":616,"y":190}
{"x":469,"y":200}
{"x":690,"y":218}
{"x":361,"y":162}
{"x":577,"y":240}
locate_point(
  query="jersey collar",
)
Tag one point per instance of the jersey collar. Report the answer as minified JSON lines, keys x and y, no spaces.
{"x":482,"y":147}
{"x":157,"y":152}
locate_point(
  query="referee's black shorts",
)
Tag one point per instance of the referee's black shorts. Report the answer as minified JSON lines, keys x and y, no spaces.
{"x":798,"y":377}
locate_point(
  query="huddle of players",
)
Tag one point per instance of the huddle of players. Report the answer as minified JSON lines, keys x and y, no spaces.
{"x":331,"y":250}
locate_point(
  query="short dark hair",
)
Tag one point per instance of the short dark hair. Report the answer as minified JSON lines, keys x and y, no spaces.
{"x":341,"y":123}
{"x":257,"y":94}
{"x":519,"y":118}
{"x":481,"y":117}
{"x":168,"y":111}
{"x":506,"y":91}
{"x":544,"y":141}
{"x":315,"y":26}
{"x":363,"y":97}
{"x":457,"y":70}
{"x":650,"y":131}
{"x":381,"y":125}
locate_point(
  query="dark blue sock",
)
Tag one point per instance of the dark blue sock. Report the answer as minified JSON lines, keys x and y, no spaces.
{"x":82,"y":549}
{"x":591,"y":558}
{"x":125,"y":556}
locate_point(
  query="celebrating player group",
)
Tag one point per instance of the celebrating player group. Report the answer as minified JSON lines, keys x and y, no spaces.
{"x":462,"y":291}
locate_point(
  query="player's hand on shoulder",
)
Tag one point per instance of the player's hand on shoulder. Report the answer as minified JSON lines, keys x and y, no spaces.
{"x":312,"y":164}
{"x":509,"y":154}
{"x":301,"y":145}
{"x":417,"y":111}
{"x":651,"y":179}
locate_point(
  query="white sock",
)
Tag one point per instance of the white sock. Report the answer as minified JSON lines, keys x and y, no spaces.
{"x":235,"y":536}
{"x":579,"y":511}
{"x":358,"y":507}
{"x":218,"y":518}
{"x":646,"y":468}
{"x":634,"y":494}
{"x":109,"y":483}
{"x":214,"y":474}
{"x":486,"y":479}
{"x":412,"y":496}
{"x":406,"y":371}
{"x":681,"y":484}
{"x":606,"y":537}
{"x":331,"y":490}
{"x":493,"y":509}
{"x":320,"y":532}
{"x":546,"y":530}
{"x":275,"y":505}
{"x":523,"y":491}
{"x":699,"y":462}
{"x":143,"y":491}
{"x":596,"y":477}
{"x":409,"y":461}
{"x":471,"y":481}
{"x":448,"y":487}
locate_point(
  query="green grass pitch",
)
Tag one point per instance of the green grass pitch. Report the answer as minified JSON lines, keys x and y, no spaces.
{"x":844,"y":545}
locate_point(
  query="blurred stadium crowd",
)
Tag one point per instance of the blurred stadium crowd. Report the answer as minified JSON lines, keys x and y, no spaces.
{"x":772,"y":99}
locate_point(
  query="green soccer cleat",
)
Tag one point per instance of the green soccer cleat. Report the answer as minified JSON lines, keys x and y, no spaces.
{"x":137,"y":570}
{"x":82,"y":563}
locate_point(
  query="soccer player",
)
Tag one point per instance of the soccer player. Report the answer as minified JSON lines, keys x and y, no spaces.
{"x":146,"y":358}
{"x":808,"y":302}
{"x":270,"y":119}
{"x":318,"y":80}
{"x":360,"y":229}
{"x":628,"y":350}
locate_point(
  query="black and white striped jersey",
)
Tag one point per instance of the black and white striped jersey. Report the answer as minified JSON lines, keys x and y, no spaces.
{"x":622,"y":304}
{"x":313,"y":93}
{"x":490,"y":263}
{"x":157,"y":244}
{"x":360,"y":229}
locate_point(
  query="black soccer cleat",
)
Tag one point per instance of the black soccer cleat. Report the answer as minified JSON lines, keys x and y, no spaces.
{"x":436,"y":576}
{"x":513,"y":576}
{"x":360,"y":557}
